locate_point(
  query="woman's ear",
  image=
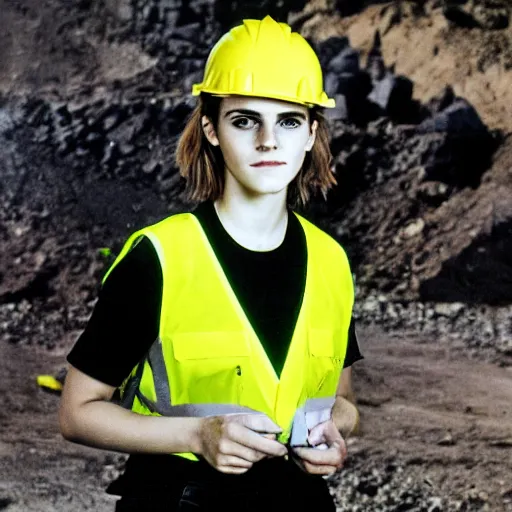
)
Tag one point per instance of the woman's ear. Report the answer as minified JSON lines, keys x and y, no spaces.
{"x":209,"y":131}
{"x":312,"y":135}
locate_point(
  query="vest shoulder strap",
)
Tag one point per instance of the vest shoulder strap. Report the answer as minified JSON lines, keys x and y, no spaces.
{"x":323,"y":245}
{"x":160,"y":234}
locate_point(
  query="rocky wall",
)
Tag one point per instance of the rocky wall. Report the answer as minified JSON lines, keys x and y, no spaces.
{"x":420,"y":206}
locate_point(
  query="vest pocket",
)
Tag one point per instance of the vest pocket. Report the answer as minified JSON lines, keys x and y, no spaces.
{"x":325,"y":361}
{"x":210,"y":365}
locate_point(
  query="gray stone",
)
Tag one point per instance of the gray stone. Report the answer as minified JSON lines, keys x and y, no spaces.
{"x":459,"y":118}
{"x":340,"y":111}
{"x":346,"y":62}
{"x":413,"y":229}
{"x":449,"y":310}
{"x":122,"y":9}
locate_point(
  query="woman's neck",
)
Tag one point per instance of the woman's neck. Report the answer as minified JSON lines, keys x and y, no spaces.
{"x":258,"y":224}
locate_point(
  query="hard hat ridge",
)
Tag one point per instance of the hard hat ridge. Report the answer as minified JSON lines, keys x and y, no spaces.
{"x":268,"y":26}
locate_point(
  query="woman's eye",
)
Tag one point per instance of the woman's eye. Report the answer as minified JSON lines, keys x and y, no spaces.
{"x":245,"y":123}
{"x":291,"y":122}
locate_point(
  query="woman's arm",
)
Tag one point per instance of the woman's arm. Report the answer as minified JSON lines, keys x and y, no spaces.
{"x":231,"y":444}
{"x":88,"y":417}
{"x":344,"y":413}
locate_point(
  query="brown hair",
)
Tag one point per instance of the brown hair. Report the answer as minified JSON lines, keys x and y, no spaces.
{"x":202,"y":164}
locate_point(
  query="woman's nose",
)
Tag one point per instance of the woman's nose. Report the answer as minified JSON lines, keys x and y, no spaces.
{"x":266,"y":139}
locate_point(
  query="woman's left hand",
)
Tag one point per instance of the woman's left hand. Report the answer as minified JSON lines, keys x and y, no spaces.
{"x":326,"y":459}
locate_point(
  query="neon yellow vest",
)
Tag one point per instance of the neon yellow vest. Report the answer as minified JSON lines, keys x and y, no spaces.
{"x":208,"y":352}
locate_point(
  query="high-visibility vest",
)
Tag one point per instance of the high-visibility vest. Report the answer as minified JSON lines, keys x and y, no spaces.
{"x":208,"y":359}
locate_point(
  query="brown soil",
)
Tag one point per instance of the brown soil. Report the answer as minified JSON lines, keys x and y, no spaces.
{"x":432,"y":54}
{"x":40,"y":471}
{"x":446,"y":419}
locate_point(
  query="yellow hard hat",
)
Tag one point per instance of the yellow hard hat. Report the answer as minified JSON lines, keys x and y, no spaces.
{"x":264,"y":58}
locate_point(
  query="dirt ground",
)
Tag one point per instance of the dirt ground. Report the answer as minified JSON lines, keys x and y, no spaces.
{"x":446,"y":419}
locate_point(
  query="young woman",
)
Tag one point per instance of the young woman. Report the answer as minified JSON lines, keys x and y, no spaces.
{"x":227,"y":329}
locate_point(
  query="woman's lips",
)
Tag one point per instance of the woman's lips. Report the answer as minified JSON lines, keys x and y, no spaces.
{"x":268,"y":163}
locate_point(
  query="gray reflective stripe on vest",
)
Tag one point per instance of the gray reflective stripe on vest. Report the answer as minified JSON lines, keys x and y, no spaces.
{"x":194,"y":410}
{"x":156,"y":361}
{"x":314,"y":412}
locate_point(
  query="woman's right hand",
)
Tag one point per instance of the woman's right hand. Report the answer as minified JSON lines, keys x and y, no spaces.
{"x":233,"y":443}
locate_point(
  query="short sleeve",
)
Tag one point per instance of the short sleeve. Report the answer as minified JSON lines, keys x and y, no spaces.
{"x":125,"y":319}
{"x":353,"y":353}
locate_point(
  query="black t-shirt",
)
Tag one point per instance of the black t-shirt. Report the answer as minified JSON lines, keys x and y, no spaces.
{"x":269,"y":286}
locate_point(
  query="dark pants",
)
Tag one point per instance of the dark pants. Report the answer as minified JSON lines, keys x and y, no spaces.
{"x":275,"y":488}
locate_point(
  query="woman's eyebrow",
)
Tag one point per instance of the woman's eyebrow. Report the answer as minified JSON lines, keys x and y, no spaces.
{"x":254,"y":113}
{"x":243,"y":111}
{"x":292,"y":113}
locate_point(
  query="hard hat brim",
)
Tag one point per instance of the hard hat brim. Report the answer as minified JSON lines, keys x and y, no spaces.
{"x":197,"y":89}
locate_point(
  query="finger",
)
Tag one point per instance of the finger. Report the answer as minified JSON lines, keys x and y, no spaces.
{"x":232,"y":470}
{"x":343,"y":449}
{"x":333,"y":456}
{"x":242,"y":452}
{"x":255,"y":441}
{"x":325,"y":433}
{"x":320,"y":470}
{"x":314,"y":469}
{"x":233,"y":461}
{"x":317,"y":435}
{"x":258,"y":423}
{"x":260,"y":444}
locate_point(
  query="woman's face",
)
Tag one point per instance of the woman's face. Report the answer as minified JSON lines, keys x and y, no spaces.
{"x":263,"y":142}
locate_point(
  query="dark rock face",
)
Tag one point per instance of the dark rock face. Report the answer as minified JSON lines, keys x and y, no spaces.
{"x":480,"y":14}
{"x":400,"y":203}
{"x":478,"y":270}
{"x":482,"y":271}
{"x":74,"y":181}
{"x":230,"y":13}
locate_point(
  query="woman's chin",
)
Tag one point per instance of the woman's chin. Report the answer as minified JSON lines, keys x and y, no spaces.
{"x":266,"y":186}
{"x":266,"y":191}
